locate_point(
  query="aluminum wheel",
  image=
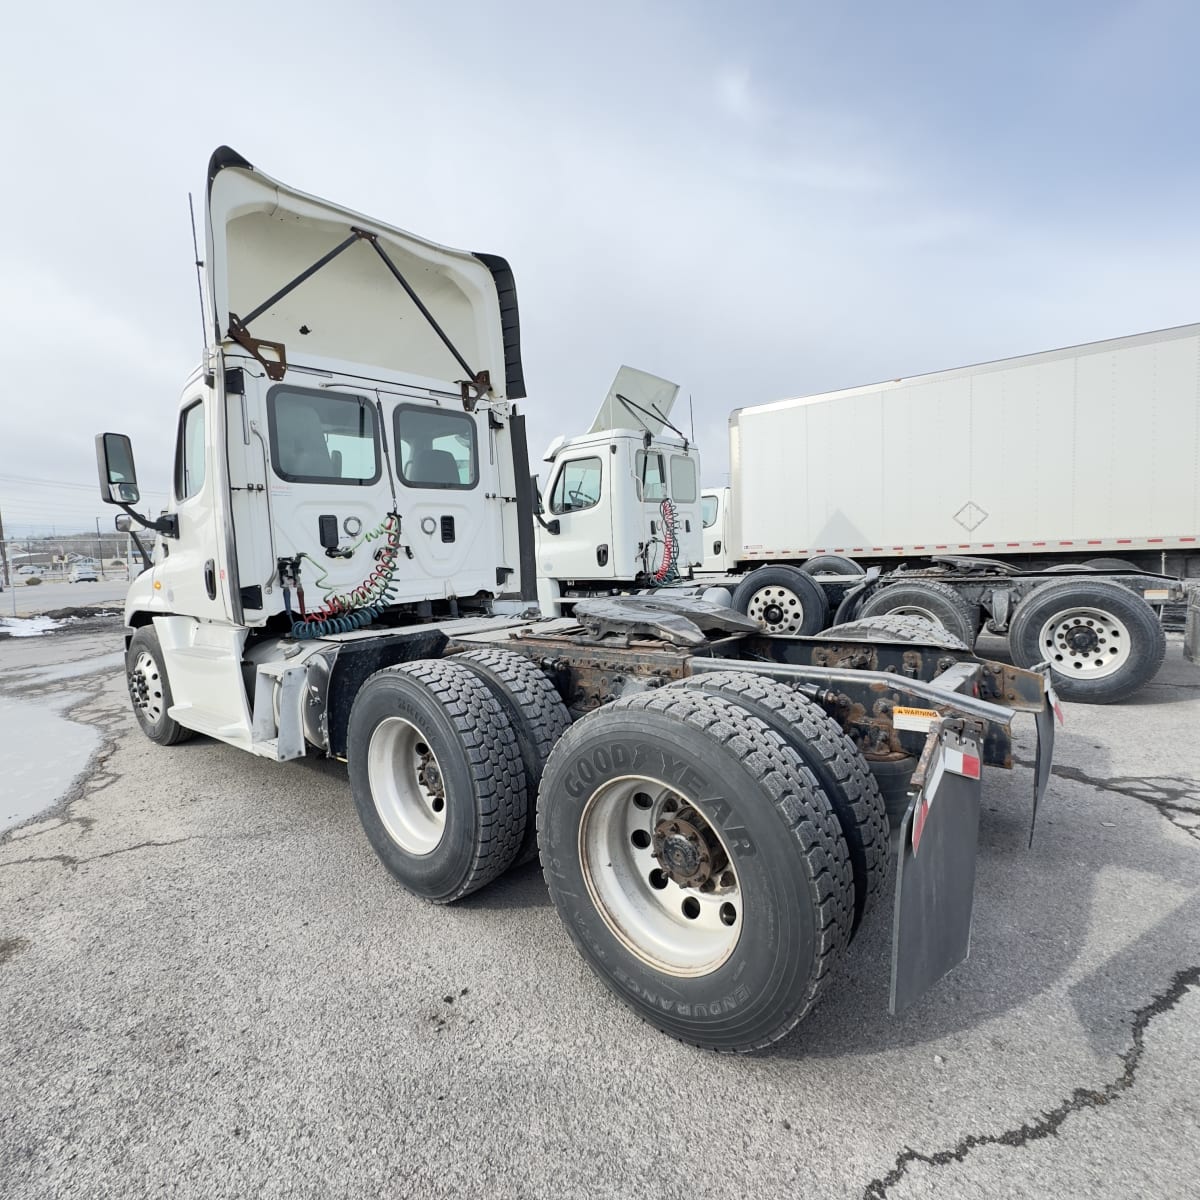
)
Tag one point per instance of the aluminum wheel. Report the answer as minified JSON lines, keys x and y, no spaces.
{"x":1086,"y":643}
{"x":915,"y":610}
{"x":778,"y":608}
{"x":660,"y":876}
{"x":145,"y":687}
{"x":406,"y":785}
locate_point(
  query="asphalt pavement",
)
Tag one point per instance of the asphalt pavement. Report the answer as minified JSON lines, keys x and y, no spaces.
{"x":210,"y":987}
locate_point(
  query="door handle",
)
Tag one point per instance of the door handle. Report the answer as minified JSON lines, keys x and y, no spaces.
{"x":210,"y":579}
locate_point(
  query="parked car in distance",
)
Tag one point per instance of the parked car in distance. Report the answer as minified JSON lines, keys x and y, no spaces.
{"x":83,"y":573}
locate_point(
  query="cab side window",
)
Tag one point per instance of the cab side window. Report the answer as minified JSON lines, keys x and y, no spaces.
{"x":683,"y":479}
{"x":577,"y":486}
{"x":189,"y":452}
{"x":708,"y":511}
{"x":651,"y":475}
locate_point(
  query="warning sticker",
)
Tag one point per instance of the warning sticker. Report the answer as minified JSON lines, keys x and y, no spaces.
{"x":1156,"y":594}
{"x":915,"y":720}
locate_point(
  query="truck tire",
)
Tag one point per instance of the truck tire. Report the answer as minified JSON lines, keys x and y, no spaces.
{"x":534,"y":709}
{"x":150,"y":690}
{"x":896,"y":628}
{"x":932,"y":601}
{"x":699,"y":874}
{"x":1102,"y":641}
{"x":436,"y":776}
{"x":784,"y":599}
{"x":831,"y":564}
{"x":839,"y":769}
{"x":1111,"y":564}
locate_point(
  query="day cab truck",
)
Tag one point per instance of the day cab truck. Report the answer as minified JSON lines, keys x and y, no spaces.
{"x":1052,"y":498}
{"x":345,"y":568}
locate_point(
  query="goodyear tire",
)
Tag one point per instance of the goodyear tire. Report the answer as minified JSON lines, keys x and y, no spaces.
{"x":534,"y":709}
{"x":1103,"y":642}
{"x":839,"y":770}
{"x":150,"y":689}
{"x":700,"y":875}
{"x":437,"y":779}
{"x":785,"y":599}
{"x":929,"y":600}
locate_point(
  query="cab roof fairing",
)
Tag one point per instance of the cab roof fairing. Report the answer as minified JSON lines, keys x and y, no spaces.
{"x":260,"y":235}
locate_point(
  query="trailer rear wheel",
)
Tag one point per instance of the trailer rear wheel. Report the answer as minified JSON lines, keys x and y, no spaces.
{"x":534,"y":709}
{"x":784,"y":599}
{"x":1111,"y":564}
{"x":1102,"y":641}
{"x":150,"y":690}
{"x":437,"y":779}
{"x":700,"y":875}
{"x":933,"y":601}
{"x":839,"y":769}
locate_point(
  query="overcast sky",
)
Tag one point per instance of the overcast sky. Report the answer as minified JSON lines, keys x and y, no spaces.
{"x":757,"y":200}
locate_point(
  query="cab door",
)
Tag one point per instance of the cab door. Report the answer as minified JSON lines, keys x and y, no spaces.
{"x":575,"y":498}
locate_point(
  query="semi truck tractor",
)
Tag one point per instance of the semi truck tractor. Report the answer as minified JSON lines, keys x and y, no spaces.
{"x":1052,"y":498}
{"x":345,"y":568}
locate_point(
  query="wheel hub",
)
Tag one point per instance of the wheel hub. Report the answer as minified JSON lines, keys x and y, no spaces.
{"x":1082,"y":639}
{"x":685,"y":849}
{"x":773,"y":614}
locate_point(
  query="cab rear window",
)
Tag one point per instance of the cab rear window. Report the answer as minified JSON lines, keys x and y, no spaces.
{"x":320,"y":437}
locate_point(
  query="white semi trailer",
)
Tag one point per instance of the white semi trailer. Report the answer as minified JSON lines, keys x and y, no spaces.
{"x":345,"y":568}
{"x":1053,"y":497}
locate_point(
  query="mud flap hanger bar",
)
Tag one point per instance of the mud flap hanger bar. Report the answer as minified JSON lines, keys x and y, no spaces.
{"x":474,"y":387}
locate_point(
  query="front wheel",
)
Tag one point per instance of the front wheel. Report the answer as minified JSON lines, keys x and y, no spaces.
{"x":703,"y":877}
{"x":150,"y":690}
{"x":1102,"y":641}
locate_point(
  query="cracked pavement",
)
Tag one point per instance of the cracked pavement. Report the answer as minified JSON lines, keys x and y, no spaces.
{"x":209,"y":987}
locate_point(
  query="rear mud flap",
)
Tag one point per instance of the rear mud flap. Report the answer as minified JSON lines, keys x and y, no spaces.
{"x":1191,"y":634}
{"x":935,"y":877}
{"x":1044,"y":756}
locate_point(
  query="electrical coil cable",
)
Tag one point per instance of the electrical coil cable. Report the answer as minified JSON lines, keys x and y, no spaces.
{"x":344,"y":611}
{"x":667,"y":571}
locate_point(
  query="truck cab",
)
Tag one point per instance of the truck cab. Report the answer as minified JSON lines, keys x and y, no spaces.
{"x":621,"y":505}
{"x":346,"y":450}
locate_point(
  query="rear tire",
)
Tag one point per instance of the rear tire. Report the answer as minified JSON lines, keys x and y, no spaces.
{"x":839,"y":769}
{"x":150,"y":689}
{"x":929,"y":600}
{"x":732,"y":966}
{"x":1102,"y":641}
{"x":436,"y":777}
{"x":784,"y":599}
{"x":831,"y":564}
{"x":534,"y":709}
{"x":896,"y":628}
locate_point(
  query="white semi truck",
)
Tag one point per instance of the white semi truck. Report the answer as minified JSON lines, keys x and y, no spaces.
{"x":345,"y":568}
{"x":1054,"y":498}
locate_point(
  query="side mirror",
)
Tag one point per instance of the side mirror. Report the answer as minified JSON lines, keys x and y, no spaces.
{"x":114,"y":462}
{"x":554,"y":526}
{"x":124,"y":523}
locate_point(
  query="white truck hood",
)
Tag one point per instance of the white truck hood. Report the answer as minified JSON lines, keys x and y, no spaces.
{"x":650,"y":400}
{"x":262,"y":236}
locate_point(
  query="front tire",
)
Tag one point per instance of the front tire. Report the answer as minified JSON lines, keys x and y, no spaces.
{"x":1102,"y":641}
{"x":436,"y":777}
{"x":701,"y":876}
{"x":150,"y":689}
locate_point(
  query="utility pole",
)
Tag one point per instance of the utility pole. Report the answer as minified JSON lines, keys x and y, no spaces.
{"x":99,"y":549}
{"x":4,"y":553}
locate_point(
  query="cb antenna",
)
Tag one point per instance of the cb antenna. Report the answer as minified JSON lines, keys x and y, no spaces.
{"x":691,"y":418}
{"x":199,"y":267}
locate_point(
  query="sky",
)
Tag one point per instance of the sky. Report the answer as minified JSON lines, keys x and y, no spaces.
{"x":756,"y":200}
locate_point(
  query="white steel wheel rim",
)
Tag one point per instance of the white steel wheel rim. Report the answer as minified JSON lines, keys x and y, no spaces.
{"x":1085,"y":643}
{"x":778,"y":608}
{"x":407,"y":785}
{"x":146,"y":686}
{"x":679,"y":930}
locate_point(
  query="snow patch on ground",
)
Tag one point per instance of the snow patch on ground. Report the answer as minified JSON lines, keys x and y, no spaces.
{"x":27,"y":626}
